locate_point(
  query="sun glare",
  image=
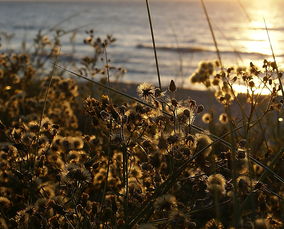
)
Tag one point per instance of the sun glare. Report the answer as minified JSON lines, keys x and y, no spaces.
{"x":258,"y":40}
{"x":244,"y":90}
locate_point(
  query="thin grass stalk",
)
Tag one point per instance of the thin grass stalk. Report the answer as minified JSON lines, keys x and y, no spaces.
{"x":273,"y":193}
{"x":274,"y":58}
{"x":125,"y":180}
{"x":125,"y":173}
{"x":244,"y":116}
{"x":107,"y":70}
{"x":57,"y":24}
{"x":108,"y":168}
{"x":69,"y":222}
{"x":45,"y":97}
{"x":74,"y":30}
{"x":263,"y":132}
{"x":237,"y":53}
{"x":181,"y":73}
{"x":225,"y":143}
{"x":236,"y":206}
{"x":212,"y":33}
{"x":267,"y":169}
{"x":244,"y":10}
{"x":109,"y":135}
{"x":45,"y":102}
{"x":154,"y":44}
{"x":252,"y":109}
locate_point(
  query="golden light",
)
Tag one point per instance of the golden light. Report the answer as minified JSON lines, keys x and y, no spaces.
{"x":256,"y":41}
{"x":260,"y":87}
{"x":244,"y":89}
{"x":257,"y":38}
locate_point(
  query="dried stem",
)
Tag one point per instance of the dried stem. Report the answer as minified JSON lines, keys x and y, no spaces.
{"x":273,"y":55}
{"x":212,"y":33}
{"x":244,"y":10}
{"x":154,"y":44}
{"x":45,"y":101}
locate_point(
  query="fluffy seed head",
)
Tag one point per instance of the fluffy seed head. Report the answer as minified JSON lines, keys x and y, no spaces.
{"x":223,"y":118}
{"x":207,"y":118}
{"x":203,"y":141}
{"x":216,"y":184}
{"x":166,"y":202}
{"x":214,"y":223}
{"x":145,"y":90}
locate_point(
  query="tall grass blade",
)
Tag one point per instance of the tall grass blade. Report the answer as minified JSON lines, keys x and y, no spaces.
{"x":45,"y":99}
{"x":273,"y":55}
{"x":57,"y":24}
{"x":244,"y":10}
{"x":154,"y":43}
{"x":212,"y":32}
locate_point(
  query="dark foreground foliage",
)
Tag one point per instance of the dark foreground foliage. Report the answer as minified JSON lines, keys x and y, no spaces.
{"x":72,"y":161}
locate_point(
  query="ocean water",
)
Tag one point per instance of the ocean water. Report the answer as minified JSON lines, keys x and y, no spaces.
{"x":182,"y":34}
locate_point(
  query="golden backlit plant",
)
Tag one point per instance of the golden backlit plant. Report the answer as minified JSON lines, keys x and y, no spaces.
{"x":71,"y":159}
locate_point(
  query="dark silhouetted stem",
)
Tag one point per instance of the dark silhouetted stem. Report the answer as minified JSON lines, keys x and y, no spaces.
{"x":154,"y":44}
{"x":212,"y":33}
{"x":273,"y":55}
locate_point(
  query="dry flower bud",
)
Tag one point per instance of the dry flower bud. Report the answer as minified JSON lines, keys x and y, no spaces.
{"x":243,"y":143}
{"x":215,"y":82}
{"x":189,"y":138}
{"x":186,"y":112}
{"x":172,"y":86}
{"x":223,"y":118}
{"x":174,"y":102}
{"x":217,"y":63}
{"x":251,"y":84}
{"x":192,"y":103}
{"x":158,"y":92}
{"x":274,"y":65}
{"x":200,"y":108}
{"x":241,"y":154}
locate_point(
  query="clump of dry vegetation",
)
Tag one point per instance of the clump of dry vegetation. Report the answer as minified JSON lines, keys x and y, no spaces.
{"x":71,"y":160}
